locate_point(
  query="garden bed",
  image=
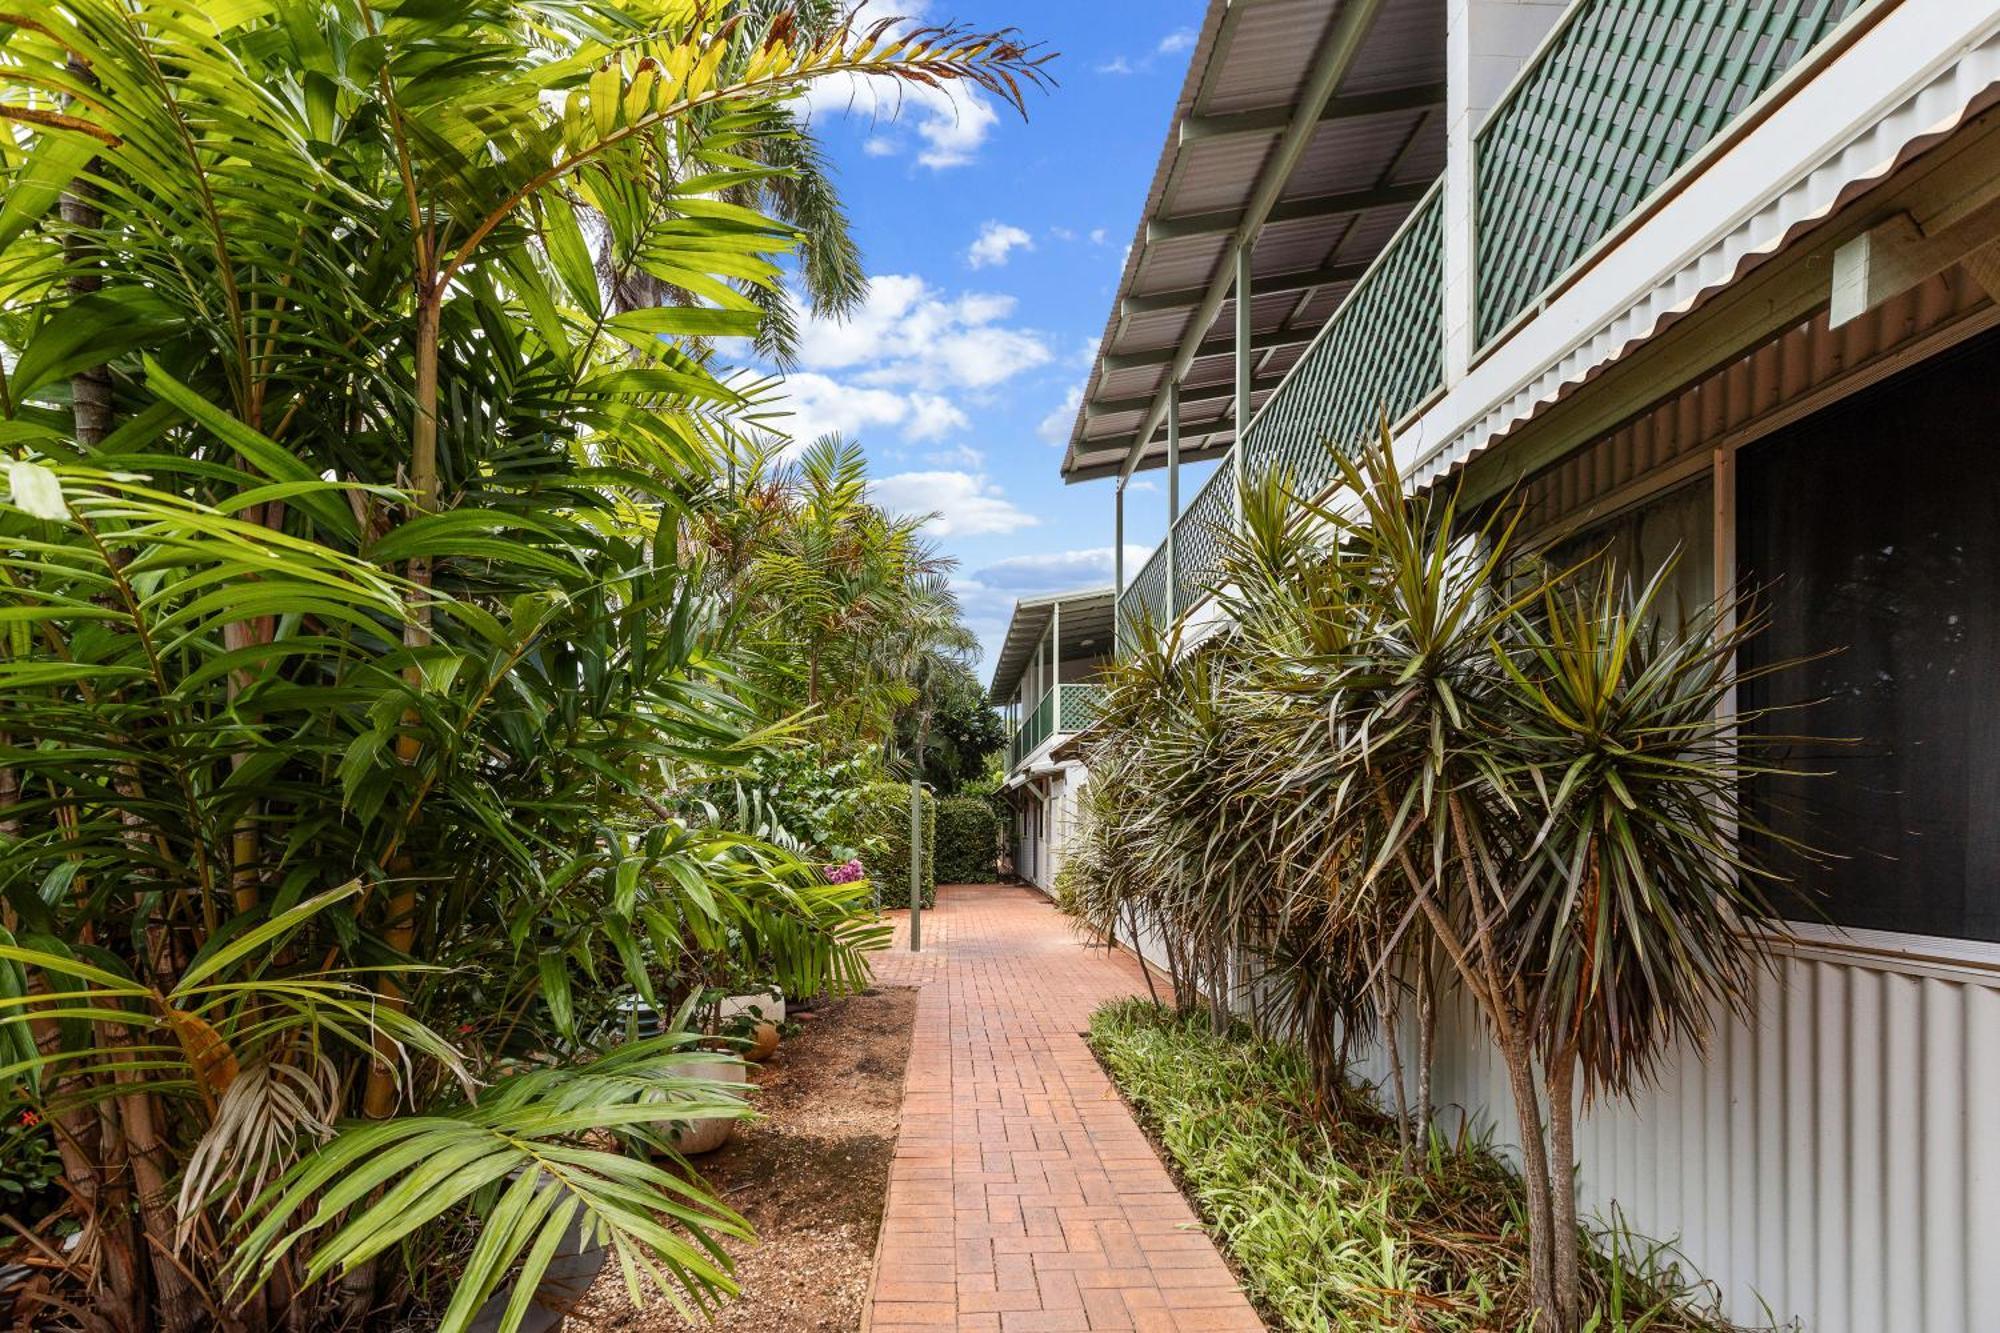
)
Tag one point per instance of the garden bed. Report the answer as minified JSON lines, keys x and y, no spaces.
{"x":811,"y":1175}
{"x":1323,"y":1224}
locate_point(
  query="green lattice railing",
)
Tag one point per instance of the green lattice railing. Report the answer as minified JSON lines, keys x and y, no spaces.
{"x":1380,"y":355}
{"x":1621,"y":96}
{"x":1147,"y":591}
{"x":1624,"y":94}
{"x":1062,"y":709}
{"x":1198,"y":536}
{"x":1076,"y":707}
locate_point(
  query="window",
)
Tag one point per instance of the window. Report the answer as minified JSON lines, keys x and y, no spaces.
{"x":1873,"y":531}
{"x":1678,"y":526}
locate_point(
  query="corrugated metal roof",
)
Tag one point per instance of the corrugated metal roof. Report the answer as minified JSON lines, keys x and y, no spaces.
{"x":1088,"y":622}
{"x":1380,"y":144}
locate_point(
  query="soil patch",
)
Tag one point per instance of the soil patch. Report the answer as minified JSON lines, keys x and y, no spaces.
{"x":812,"y":1176}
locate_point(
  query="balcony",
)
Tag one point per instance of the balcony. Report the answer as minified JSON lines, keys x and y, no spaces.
{"x":1062,"y":711}
{"x":1611,"y":113}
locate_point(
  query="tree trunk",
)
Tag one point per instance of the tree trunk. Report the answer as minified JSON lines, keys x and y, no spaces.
{"x":1388,"y":1012}
{"x":1426,"y":1045}
{"x":90,"y":388}
{"x":1562,"y":1188}
{"x":178,"y":1305}
{"x":1519,"y":1058}
{"x":1132,"y":918}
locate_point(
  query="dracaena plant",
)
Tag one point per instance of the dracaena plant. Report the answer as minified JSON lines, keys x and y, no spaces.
{"x":352,"y":665}
{"x":1459,"y":776}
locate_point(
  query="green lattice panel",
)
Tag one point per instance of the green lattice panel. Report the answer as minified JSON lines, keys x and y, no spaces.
{"x":1146,"y":592}
{"x":1627,"y":92}
{"x":1198,"y":536}
{"x":1079,"y":707}
{"x":1381,"y":354}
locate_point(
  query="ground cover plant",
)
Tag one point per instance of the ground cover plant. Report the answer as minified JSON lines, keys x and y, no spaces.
{"x":1322,"y":1214}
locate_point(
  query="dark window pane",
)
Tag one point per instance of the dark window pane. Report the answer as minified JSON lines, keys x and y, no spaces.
{"x":1873,"y":528}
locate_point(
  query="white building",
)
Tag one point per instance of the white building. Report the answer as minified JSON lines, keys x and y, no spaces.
{"x":1042,"y":682}
{"x":1709,"y":274}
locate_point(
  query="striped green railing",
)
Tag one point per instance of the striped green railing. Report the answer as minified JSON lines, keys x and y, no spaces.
{"x":1380,"y":355}
{"x":1063,"y":709}
{"x":1623,"y":94}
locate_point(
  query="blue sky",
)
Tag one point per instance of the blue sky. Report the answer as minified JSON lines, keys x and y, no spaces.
{"x":993,"y":248}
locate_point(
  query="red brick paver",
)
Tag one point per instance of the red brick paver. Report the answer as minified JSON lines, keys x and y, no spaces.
{"x":1023,"y":1196}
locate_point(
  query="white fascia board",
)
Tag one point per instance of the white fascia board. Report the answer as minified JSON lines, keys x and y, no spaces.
{"x":1912,"y":75}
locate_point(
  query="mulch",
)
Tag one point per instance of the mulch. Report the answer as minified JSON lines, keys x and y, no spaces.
{"x":812,"y":1176}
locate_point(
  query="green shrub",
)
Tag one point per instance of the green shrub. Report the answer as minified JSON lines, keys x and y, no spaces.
{"x":968,"y":841}
{"x":881,"y":829}
{"x":1331,"y":1231}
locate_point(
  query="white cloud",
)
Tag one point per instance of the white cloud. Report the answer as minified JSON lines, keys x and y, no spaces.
{"x":879,"y":145}
{"x":1055,"y":427}
{"x":960,"y":456}
{"x":997,"y":240}
{"x":820,"y":405}
{"x":1055,"y":571}
{"x":962,"y":504}
{"x":908,"y":333}
{"x":1098,"y":236}
{"x":933,"y":416}
{"x":1175,"y":42}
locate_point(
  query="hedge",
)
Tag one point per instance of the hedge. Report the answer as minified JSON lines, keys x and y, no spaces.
{"x":968,"y":841}
{"x":882,"y":830}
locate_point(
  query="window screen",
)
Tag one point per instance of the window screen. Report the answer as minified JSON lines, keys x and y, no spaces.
{"x":1678,"y":526}
{"x":1873,"y":528}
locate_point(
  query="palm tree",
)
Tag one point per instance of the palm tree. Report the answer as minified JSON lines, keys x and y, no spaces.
{"x":351,"y":650}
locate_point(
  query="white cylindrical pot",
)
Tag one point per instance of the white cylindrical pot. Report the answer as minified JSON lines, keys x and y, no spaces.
{"x":705,"y":1133}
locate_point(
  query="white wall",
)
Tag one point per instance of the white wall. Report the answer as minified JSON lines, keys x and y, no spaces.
{"x":1837,"y":1159}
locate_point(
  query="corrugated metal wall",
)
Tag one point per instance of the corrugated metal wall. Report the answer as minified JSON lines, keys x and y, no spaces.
{"x":1837,"y":1160}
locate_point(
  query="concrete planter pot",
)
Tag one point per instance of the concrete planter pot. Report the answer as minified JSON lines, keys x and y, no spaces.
{"x":768,"y":1005}
{"x":706,"y":1133}
{"x":762,"y":1011}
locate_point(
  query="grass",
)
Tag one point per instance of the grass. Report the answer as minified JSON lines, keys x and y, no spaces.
{"x":1328,"y":1228}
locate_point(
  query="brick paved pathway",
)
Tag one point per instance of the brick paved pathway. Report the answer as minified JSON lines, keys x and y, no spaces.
{"x":1023,"y":1196}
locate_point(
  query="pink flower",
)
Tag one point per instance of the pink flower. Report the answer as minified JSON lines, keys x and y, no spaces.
{"x":844,"y":874}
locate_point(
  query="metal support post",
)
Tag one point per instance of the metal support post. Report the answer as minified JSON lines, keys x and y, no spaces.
{"x":916,"y":865}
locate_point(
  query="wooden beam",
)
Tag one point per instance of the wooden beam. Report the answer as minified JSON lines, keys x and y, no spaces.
{"x":1272,"y":120}
{"x":1211,"y":393}
{"x":1894,"y":256}
{"x":1335,"y":57}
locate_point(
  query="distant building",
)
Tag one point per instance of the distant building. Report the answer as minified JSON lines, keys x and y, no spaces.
{"x":1043,"y":684}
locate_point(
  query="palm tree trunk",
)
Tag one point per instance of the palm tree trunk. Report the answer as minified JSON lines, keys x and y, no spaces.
{"x":1392,"y":1042}
{"x":90,"y":388}
{"x":1426,"y":1045}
